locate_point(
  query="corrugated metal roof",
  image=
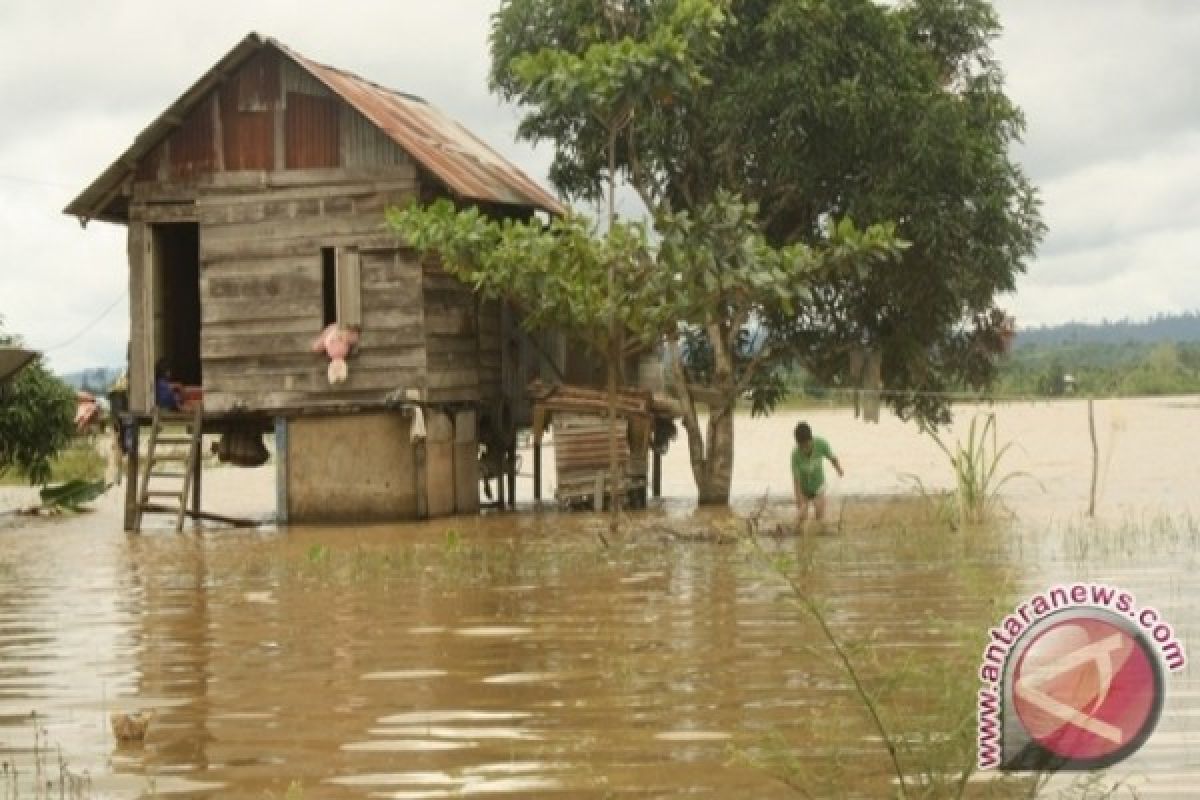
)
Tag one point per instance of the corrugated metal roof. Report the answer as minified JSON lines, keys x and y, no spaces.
{"x":439,"y":143}
{"x":467,"y":166}
{"x":13,"y":360}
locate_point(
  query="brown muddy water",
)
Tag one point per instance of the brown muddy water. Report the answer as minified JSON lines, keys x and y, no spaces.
{"x":512,"y":655}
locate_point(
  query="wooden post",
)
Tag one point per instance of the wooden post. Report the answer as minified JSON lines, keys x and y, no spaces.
{"x":466,"y":462}
{"x":440,"y":469}
{"x":510,"y":467}
{"x":500,"y":483}
{"x":1095,"y":459}
{"x":281,"y":470}
{"x":657,"y":476}
{"x":419,"y":478}
{"x":537,"y":470}
{"x":199,"y":471}
{"x":131,"y":472}
{"x":537,"y":431}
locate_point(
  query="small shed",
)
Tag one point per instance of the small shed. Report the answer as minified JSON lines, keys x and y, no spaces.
{"x":255,"y":214}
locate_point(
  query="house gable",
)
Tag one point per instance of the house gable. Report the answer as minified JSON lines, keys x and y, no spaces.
{"x":266,"y":108}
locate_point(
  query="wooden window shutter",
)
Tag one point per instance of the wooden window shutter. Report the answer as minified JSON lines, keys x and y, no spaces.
{"x":349,"y":287}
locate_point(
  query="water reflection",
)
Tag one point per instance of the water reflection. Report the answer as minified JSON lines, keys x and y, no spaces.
{"x":513,"y":658}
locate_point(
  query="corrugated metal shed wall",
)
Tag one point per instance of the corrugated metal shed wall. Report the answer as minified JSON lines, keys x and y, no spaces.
{"x":191,"y":150}
{"x":248,"y":137}
{"x":364,"y":145}
{"x":296,"y":79}
{"x":249,"y":101}
{"x":311,"y":130}
{"x":259,"y":82}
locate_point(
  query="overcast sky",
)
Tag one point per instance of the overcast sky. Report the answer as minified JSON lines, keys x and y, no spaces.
{"x":1110,"y":90}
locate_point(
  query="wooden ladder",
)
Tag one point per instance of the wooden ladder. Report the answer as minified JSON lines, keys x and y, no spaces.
{"x":159,"y":484}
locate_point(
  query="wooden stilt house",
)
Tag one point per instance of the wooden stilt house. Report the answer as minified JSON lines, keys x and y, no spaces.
{"x":255,"y":213}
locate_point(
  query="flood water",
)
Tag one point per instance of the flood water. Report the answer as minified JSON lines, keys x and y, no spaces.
{"x":513,"y":655}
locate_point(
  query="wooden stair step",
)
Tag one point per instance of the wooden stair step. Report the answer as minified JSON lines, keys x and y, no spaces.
{"x":188,"y":458}
{"x":175,"y":416}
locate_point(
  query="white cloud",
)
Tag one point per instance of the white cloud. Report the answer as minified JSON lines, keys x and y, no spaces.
{"x":1113,"y":140}
{"x":1108,"y":88}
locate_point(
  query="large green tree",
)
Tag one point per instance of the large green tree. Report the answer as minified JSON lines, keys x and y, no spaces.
{"x":710,"y":275}
{"x":37,"y":418}
{"x":816,"y":110}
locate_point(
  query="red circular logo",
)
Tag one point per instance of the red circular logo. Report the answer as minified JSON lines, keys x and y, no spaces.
{"x":1088,"y":689}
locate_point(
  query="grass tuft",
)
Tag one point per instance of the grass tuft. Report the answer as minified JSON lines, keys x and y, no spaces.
{"x":976,"y":464}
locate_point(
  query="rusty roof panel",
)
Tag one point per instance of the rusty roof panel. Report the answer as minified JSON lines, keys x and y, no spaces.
{"x":461,"y":160}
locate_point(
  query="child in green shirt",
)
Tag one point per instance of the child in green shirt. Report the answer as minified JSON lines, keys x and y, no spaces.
{"x":808,"y":474}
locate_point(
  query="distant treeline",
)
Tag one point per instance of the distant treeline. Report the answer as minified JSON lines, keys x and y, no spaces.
{"x":1157,"y":356}
{"x":1129,"y":368}
{"x":1160,"y":355}
{"x":1161,"y":328}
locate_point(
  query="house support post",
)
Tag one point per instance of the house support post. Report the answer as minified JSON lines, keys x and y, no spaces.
{"x":198,"y":472}
{"x":511,"y":468}
{"x":131,"y":470}
{"x":537,"y":470}
{"x":281,"y":471}
{"x":656,"y":478}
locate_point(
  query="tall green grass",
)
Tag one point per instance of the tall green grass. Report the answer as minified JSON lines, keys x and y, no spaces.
{"x":976,"y":464}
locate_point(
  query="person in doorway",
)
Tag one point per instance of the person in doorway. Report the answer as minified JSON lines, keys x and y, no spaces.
{"x":166,"y":396}
{"x":808,"y":472}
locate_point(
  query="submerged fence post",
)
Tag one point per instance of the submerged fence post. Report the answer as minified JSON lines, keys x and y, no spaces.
{"x":1095,"y":458}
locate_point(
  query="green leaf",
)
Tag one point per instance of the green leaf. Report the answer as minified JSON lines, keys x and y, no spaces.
{"x":72,"y":495}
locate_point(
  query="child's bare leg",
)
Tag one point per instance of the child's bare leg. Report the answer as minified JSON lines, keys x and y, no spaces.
{"x":802,"y":507}
{"x":819,"y":506}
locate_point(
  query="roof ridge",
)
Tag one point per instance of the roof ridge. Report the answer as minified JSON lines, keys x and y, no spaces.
{"x":291,"y":51}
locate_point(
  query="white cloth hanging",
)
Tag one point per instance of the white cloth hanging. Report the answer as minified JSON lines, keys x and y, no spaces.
{"x":417,"y":430}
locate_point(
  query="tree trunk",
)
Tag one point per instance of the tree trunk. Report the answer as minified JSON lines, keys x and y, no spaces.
{"x":718,"y":466}
{"x":614,"y":519}
{"x":614,"y":344}
{"x":711,"y":457}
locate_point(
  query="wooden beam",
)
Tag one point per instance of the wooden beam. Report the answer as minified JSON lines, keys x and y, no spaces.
{"x":237,"y":522}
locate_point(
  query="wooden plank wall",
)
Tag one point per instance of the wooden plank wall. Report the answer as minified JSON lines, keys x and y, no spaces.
{"x":491,"y":350}
{"x":452,"y":325}
{"x":260,"y":290}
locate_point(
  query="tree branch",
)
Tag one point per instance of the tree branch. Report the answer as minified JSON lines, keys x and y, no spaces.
{"x":640,"y":182}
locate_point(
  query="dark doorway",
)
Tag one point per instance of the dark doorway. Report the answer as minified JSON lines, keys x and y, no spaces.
{"x":177,"y":306}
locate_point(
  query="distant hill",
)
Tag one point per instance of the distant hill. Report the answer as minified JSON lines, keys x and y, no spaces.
{"x":1162,"y":328}
{"x":95,"y":380}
